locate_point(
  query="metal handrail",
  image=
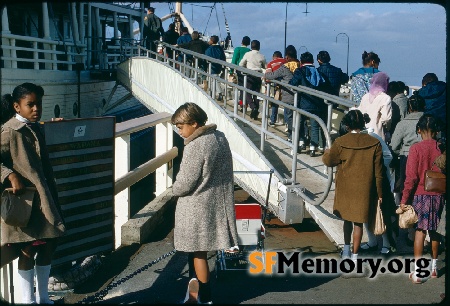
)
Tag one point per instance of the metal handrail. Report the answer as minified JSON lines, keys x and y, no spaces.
{"x":329,"y":99}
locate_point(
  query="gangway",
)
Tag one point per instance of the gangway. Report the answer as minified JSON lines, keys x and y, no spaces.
{"x":301,"y":185}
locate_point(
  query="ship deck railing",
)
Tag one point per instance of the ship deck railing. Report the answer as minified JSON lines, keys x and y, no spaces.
{"x":40,"y":54}
{"x":27,"y":52}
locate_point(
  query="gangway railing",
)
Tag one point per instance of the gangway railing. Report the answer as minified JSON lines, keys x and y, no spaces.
{"x":191,"y":69}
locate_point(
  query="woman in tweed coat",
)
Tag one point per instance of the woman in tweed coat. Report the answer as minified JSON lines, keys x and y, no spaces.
{"x":205,"y":218}
{"x":358,"y":181}
{"x":25,"y":163}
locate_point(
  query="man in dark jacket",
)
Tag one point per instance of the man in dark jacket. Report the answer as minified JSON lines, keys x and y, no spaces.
{"x":197,"y":45}
{"x":152,"y":29}
{"x":333,"y":74}
{"x":215,"y":51}
{"x":184,"y":38}
{"x":307,"y":75}
{"x":170,"y":37}
{"x":434,"y":92}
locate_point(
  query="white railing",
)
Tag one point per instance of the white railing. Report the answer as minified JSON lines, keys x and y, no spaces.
{"x":19,"y":49}
{"x":109,"y":53}
{"x":124,"y":179}
{"x":39,"y":51}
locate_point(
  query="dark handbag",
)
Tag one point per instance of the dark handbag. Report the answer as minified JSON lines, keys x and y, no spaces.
{"x":16,"y":209}
{"x":435,"y":181}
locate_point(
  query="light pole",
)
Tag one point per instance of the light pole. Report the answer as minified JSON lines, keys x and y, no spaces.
{"x":285,"y":30}
{"x":348,"y":46}
{"x":299,"y":53}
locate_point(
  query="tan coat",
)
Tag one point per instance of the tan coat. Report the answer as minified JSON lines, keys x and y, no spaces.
{"x":358,"y":158}
{"x":22,"y":154}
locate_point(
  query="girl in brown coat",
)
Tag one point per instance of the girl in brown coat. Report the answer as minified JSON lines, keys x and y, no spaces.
{"x":358,"y":158}
{"x":25,"y":163}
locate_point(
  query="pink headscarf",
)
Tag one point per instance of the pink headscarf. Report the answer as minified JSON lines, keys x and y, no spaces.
{"x":378,"y":83}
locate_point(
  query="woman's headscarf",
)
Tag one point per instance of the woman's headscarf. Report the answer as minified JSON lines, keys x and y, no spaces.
{"x":378,"y":83}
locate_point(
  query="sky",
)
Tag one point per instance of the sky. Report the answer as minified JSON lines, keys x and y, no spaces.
{"x":409,"y":38}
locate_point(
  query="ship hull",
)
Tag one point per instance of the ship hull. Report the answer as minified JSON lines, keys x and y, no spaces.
{"x":61,"y":91}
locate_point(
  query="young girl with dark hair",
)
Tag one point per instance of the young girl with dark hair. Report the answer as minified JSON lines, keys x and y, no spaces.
{"x":25,"y":163}
{"x":351,"y":153}
{"x":428,"y":205}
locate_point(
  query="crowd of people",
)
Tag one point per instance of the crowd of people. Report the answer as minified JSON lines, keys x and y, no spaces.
{"x":386,"y":122}
{"x":396,"y":176}
{"x":385,"y":145}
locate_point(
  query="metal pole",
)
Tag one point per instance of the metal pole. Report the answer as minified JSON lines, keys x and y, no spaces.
{"x":285,"y":28}
{"x":89,"y":33}
{"x":79,"y":89}
{"x":348,"y":46}
{"x":348,"y":50}
{"x":141,"y":22}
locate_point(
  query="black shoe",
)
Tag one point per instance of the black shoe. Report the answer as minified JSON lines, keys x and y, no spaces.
{"x":271,"y":124}
{"x":254,"y":114}
{"x":312,"y":153}
{"x":301,"y":147}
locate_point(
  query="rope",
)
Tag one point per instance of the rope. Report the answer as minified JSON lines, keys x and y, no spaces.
{"x":210,"y":13}
{"x":226,"y":22}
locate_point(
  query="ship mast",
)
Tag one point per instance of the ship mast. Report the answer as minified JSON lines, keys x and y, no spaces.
{"x":178,"y":6}
{"x":178,"y":12}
